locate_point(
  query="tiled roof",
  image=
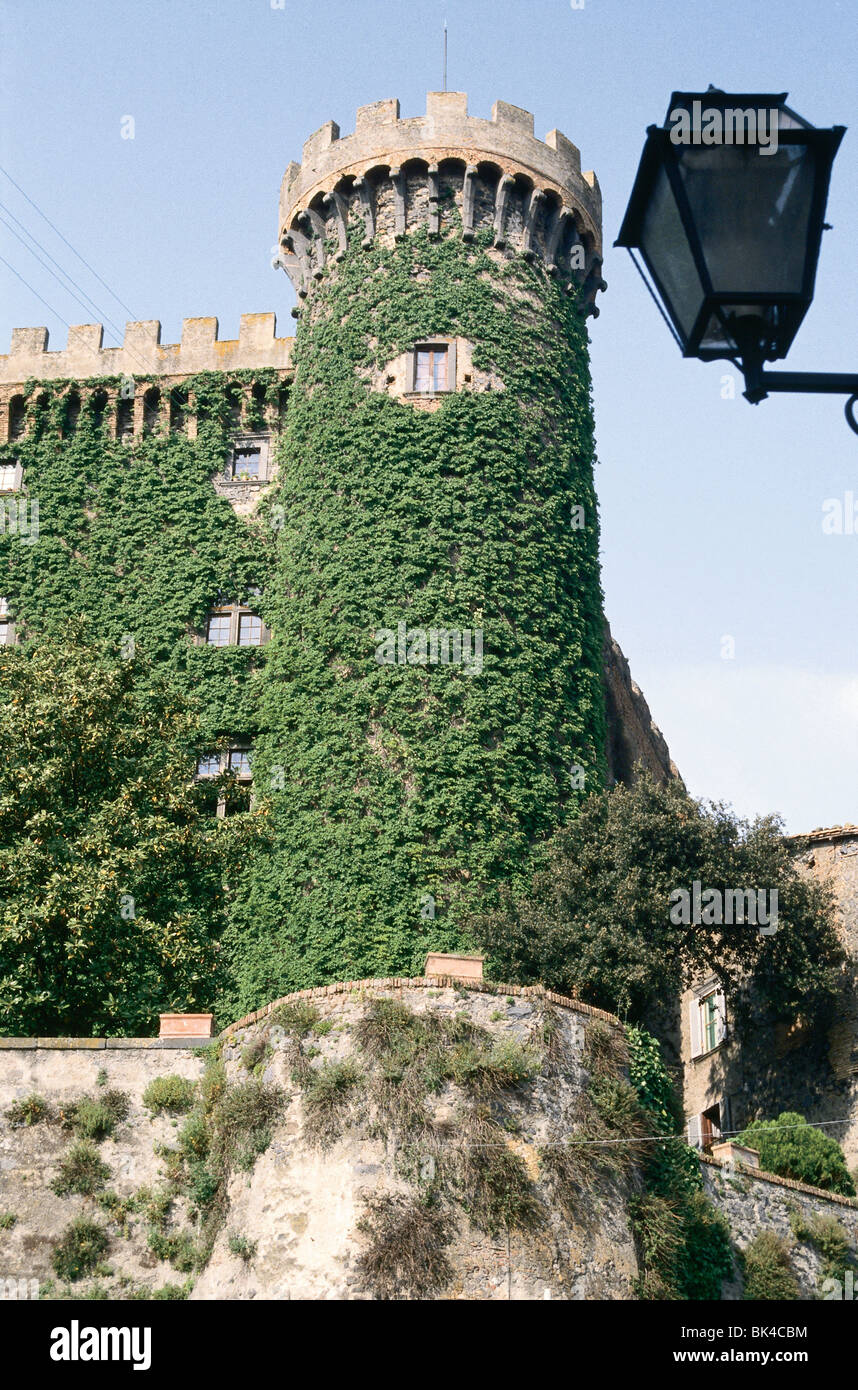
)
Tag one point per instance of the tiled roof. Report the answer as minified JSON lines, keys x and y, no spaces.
{"x":833,"y":832}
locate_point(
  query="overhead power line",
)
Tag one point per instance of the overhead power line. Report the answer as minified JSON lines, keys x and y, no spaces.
{"x":66,"y":242}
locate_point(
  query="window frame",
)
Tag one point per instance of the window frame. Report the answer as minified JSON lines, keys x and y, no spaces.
{"x":433,"y":345}
{"x":235,"y":612}
{"x":708,"y":1020}
{"x":6,"y":489}
{"x":262,"y":442}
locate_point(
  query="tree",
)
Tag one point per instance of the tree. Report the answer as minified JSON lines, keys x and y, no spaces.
{"x":792,"y":1148}
{"x":111,"y":871}
{"x":596,"y":921}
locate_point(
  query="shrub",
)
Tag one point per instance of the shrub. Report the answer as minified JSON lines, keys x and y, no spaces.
{"x":827,"y":1236}
{"x":81,"y":1170}
{"x":327,"y":1090}
{"x":494,"y":1184}
{"x":118,"y":1209}
{"x":299,"y":1018}
{"x":242,"y":1120}
{"x":605,"y":1050}
{"x":79,"y":1250}
{"x":179,"y":1248}
{"x":706,"y":1257}
{"x":243,"y":1248}
{"x":8,"y":1219}
{"x":173,"y":1094}
{"x":97,"y":1117}
{"x":767,"y":1270}
{"x":256,"y":1051}
{"x":194,"y":1138}
{"x":406,"y":1256}
{"x":31,"y":1111}
{"x":792,"y":1148}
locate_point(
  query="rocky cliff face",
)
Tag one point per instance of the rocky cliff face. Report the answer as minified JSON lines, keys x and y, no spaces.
{"x":396,"y":1139}
{"x":441,"y":1142}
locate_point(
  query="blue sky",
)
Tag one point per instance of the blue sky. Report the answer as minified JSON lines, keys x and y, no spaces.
{"x":711,"y":508}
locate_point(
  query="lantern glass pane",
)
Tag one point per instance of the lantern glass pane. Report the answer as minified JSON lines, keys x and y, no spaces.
{"x":751,"y":211}
{"x":666,"y":248}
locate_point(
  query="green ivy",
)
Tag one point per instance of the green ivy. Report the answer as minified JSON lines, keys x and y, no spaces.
{"x":134,"y":539}
{"x":411,"y":791}
{"x":684,"y":1240}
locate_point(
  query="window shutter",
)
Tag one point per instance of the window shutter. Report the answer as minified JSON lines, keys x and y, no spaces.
{"x":695,"y":1138}
{"x":411,"y":373}
{"x":696,"y":1040}
{"x":721,"y":1012}
{"x":451,"y":366}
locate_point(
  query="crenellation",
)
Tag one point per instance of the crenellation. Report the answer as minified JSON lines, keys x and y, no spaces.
{"x":506,"y":179}
{"x":143,"y":354}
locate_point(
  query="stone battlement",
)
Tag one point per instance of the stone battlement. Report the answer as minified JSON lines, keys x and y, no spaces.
{"x":443,"y":132}
{"x":393,"y":175}
{"x":142,"y":352}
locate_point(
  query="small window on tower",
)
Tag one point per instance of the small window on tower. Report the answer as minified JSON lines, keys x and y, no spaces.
{"x":10,"y":477}
{"x":239,"y":763}
{"x":431,"y":368}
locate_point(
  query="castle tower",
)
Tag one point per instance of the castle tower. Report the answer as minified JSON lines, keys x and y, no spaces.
{"x":433,"y":704}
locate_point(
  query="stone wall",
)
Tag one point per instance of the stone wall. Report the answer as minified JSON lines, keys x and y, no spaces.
{"x":754,"y":1201}
{"x":633,"y":736}
{"x":62,"y":1071}
{"x":302,"y":1204}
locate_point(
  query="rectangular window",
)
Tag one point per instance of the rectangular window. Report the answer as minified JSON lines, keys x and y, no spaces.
{"x":249,"y":630}
{"x":708,"y":1021}
{"x":208,"y":766}
{"x":10,"y":477}
{"x":247,"y":462}
{"x":239,"y":762}
{"x":430,"y":372}
{"x":217,"y":634}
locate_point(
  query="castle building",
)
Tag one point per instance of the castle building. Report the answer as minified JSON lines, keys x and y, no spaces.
{"x":370,"y":550}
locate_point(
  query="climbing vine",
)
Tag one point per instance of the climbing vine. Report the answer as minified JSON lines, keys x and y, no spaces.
{"x":402,"y":792}
{"x":134,"y":540}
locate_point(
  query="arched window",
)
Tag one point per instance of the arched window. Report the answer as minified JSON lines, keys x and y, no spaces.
{"x":17,"y":417}
{"x":124,"y":419}
{"x":71,"y":414}
{"x":179,"y":410}
{"x":151,"y":410}
{"x":98,"y":406}
{"x":235,"y":402}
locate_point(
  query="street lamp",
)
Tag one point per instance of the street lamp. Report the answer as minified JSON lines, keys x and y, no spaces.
{"x":727,"y":211}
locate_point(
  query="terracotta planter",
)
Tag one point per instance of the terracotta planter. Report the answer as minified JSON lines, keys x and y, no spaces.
{"x":460,"y":967}
{"x":186,"y":1025}
{"x":729,"y":1154}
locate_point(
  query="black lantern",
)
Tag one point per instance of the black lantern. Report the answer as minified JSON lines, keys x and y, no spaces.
{"x":728,"y":211}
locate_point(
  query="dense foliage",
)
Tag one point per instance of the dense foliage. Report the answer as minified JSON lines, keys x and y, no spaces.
{"x":596,"y":921}
{"x":684,"y":1242}
{"x":411,"y":790}
{"x":795,"y":1149}
{"x":111,"y":870}
{"x":133,"y":537}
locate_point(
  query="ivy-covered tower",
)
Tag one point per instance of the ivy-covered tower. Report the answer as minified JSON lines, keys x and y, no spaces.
{"x":434,"y":702}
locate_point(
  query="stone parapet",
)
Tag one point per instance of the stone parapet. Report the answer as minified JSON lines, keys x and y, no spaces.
{"x":142,"y":352}
{"x":446,"y":171}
